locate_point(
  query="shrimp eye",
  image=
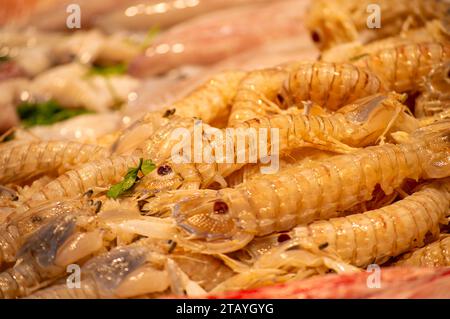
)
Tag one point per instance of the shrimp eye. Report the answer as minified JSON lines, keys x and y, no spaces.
{"x":283,"y":237}
{"x":315,"y":36}
{"x":164,"y":170}
{"x":220,"y":208}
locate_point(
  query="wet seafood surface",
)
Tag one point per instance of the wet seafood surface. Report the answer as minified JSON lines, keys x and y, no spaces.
{"x":225,"y":149}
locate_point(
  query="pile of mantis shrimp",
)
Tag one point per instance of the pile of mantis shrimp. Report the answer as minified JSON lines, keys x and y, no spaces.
{"x":364,"y":178}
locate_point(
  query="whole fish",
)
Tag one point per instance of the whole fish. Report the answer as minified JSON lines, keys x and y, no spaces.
{"x":216,"y":36}
{"x":141,"y":15}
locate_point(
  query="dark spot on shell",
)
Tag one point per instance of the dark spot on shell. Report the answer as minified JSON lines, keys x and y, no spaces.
{"x":36,"y":219}
{"x":220,"y":208}
{"x":98,"y":206}
{"x":172,"y":245}
{"x":283,"y":237}
{"x":323,"y":246}
{"x":141,"y":203}
{"x":315,"y":36}
{"x":164,"y":170}
{"x":429,"y":237}
{"x":169,"y":112}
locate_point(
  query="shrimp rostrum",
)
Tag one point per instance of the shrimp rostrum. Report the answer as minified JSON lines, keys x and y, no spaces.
{"x":226,"y":220}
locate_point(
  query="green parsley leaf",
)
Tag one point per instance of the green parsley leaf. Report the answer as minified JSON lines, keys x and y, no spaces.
{"x":117,"y":69}
{"x":115,"y":191}
{"x":131,"y":178}
{"x":147,"y":167}
{"x":45,"y":113}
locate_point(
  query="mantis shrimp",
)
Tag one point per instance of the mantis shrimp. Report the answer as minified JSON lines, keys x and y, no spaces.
{"x":358,"y":124}
{"x":435,"y":98}
{"x":8,"y":201}
{"x":120,"y":273}
{"x":143,"y":268}
{"x":100,"y":173}
{"x":362,"y":124}
{"x":64,"y":238}
{"x":393,"y":230}
{"x":210,"y":102}
{"x":391,"y":233}
{"x":23,"y":161}
{"x":17,"y":227}
{"x":46,"y":253}
{"x":330,"y":85}
{"x":335,"y":22}
{"x":433,"y":31}
{"x":436,"y":254}
{"x":228,"y":219}
{"x":403,"y":68}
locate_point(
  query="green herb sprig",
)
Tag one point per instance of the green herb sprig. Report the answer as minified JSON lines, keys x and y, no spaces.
{"x":45,"y":113}
{"x":118,"y":69}
{"x":131,"y":178}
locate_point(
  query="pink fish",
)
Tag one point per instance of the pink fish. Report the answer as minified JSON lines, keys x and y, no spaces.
{"x":396,"y":282}
{"x":159,"y":91}
{"x":51,"y":15}
{"x":216,"y":36}
{"x":145,"y":14}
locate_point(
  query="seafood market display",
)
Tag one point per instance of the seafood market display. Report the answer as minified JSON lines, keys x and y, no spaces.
{"x":224,"y":149}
